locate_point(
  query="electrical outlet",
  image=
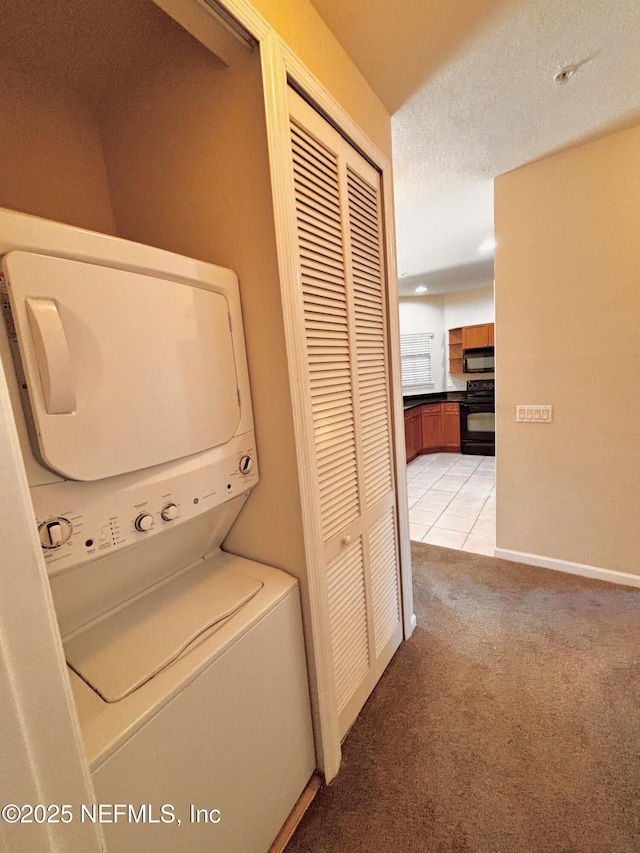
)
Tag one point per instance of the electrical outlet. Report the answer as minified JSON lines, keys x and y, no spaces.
{"x":534,"y":414}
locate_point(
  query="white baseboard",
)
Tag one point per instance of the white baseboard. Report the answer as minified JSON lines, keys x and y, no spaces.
{"x":570,"y":568}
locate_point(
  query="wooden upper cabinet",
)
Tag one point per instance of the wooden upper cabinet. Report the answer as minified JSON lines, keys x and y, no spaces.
{"x":474,"y":337}
{"x":467,"y":337}
{"x":455,"y":350}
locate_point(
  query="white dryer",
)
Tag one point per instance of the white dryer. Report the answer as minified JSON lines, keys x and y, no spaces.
{"x":128,"y":376}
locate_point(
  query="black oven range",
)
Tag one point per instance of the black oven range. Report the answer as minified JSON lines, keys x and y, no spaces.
{"x":477,"y":418}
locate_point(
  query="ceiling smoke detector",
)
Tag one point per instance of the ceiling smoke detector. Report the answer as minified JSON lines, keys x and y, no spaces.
{"x":565,"y":74}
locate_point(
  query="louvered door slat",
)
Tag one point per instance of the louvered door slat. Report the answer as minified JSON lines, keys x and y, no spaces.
{"x":348,"y":619}
{"x":361,"y":214}
{"x":332,"y":471}
{"x":384,"y":579}
{"x":332,"y":446}
{"x":317,"y":240}
{"x":364,"y":197}
{"x":362,"y":241}
{"x":317,"y":196}
{"x":324,"y":298}
{"x":318,"y":271}
{"x":335,"y":431}
{"x":324,"y":260}
{"x":307,"y":196}
{"x":310,"y":185}
{"x":310,"y":220}
{"x":366,"y":262}
{"x":309,"y":149}
{"x":313,"y":172}
{"x":326,"y":395}
{"x":322,"y":389}
{"x":325,"y":323}
{"x":325,"y":377}
{"x":316,"y":253}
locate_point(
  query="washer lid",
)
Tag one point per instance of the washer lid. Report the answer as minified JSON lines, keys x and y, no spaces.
{"x":118,"y":653}
{"x":124,"y":371}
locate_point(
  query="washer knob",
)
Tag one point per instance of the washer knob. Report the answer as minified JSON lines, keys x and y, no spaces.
{"x":169,"y":512}
{"x":144,"y":522}
{"x":246,"y":464}
{"x":54,"y":532}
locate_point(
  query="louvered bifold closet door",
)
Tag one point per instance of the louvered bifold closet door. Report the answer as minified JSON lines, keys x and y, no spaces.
{"x":367,"y":282}
{"x":340,"y":272}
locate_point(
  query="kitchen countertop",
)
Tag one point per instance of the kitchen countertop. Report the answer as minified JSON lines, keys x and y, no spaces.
{"x":435,"y":397}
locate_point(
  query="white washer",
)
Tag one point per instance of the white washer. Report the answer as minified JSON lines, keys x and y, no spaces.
{"x":128,"y":376}
{"x":222,"y":733}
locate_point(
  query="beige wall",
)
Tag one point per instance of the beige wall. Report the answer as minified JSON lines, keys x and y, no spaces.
{"x":567,"y":319}
{"x":187,"y":158}
{"x":304,"y":31}
{"x":51,"y":161}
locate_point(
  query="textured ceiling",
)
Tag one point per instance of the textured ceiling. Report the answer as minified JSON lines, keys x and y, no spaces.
{"x":469,"y":83}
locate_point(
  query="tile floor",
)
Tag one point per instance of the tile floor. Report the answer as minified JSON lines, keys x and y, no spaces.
{"x":452,"y":501}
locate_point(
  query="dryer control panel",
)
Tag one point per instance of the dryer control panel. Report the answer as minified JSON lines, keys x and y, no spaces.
{"x":79,"y":522}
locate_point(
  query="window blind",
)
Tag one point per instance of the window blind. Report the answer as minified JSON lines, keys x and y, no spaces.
{"x":415,"y":350}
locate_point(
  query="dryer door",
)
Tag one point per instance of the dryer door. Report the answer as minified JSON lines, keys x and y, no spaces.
{"x":124,"y":371}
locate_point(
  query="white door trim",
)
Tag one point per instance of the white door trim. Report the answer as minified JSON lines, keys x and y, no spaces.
{"x":41,"y":750}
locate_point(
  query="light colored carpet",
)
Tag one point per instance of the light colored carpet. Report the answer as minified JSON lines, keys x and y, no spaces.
{"x":509,"y":723}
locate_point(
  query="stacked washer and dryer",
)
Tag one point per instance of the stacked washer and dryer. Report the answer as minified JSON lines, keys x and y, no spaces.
{"x":128,"y":375}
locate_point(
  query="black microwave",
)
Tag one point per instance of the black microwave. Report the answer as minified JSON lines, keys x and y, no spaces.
{"x":479,"y":360}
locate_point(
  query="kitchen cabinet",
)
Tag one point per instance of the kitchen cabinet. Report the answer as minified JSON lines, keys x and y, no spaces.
{"x":477,"y":336}
{"x":468,"y":337}
{"x":431,"y":428}
{"x":413,"y":432}
{"x":455,"y":351}
{"x":451,"y":426}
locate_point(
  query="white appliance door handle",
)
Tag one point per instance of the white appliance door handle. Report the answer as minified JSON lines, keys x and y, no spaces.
{"x":52,"y":356}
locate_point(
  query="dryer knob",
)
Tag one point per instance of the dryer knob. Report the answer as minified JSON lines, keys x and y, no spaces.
{"x":169,"y":512}
{"x":54,"y":532}
{"x":144,"y":522}
{"x":246,"y":464}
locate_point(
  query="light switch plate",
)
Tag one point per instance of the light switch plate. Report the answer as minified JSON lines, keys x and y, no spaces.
{"x":534,"y":414}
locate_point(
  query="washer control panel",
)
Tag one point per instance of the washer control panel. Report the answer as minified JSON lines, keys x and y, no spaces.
{"x":78,"y":522}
